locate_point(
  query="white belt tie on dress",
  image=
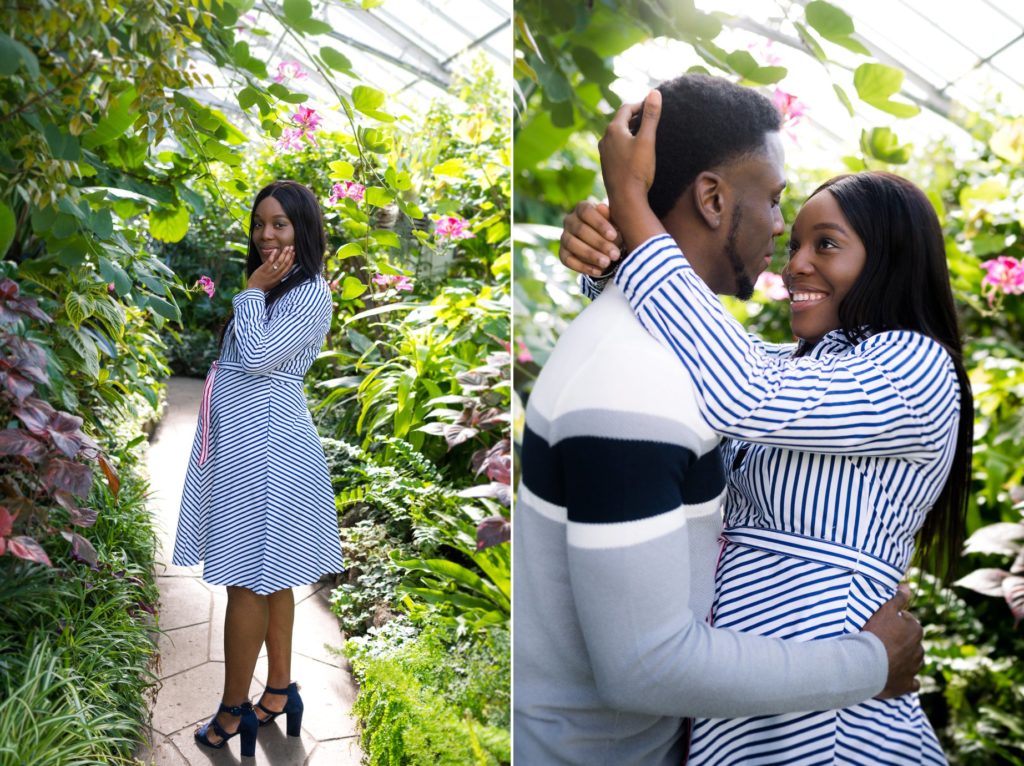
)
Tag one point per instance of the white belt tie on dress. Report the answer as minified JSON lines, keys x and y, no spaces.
{"x":816,"y":550}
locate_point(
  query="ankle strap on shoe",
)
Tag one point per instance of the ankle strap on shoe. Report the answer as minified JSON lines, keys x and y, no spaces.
{"x":236,"y":710}
{"x":271,"y":690}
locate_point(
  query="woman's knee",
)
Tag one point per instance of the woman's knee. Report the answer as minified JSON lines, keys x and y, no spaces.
{"x":238,"y":593}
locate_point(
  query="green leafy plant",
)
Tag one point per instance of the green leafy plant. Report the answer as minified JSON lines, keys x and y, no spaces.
{"x":42,"y":460}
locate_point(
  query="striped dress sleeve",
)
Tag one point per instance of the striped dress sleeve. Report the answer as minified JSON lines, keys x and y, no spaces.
{"x":592,"y":287}
{"x":296,"y":321}
{"x":895,"y":394}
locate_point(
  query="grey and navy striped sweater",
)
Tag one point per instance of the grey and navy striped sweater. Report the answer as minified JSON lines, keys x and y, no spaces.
{"x":616,"y":540}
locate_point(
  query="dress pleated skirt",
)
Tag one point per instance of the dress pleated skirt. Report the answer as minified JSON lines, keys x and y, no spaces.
{"x":258,"y":508}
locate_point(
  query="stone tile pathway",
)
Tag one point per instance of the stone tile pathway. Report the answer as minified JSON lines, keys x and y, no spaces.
{"x":191,"y":616}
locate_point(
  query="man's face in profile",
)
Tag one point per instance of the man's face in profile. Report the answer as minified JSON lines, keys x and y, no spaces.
{"x":754,"y":220}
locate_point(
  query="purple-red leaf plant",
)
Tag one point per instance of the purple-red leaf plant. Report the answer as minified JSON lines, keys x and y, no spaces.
{"x":485,"y":409}
{"x":1005,"y":539}
{"x":41,"y":460}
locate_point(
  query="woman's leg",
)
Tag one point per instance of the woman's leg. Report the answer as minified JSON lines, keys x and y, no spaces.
{"x":281,"y":608}
{"x":245,"y":625}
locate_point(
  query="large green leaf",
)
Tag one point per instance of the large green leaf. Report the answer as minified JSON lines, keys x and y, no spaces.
{"x":877,"y":83}
{"x":298,"y":14}
{"x":164,"y":308}
{"x":405,"y":402}
{"x":63,"y":145}
{"x":450,"y":571}
{"x":112,"y":272}
{"x":385,"y":238}
{"x":368,"y":101}
{"x":747,"y":67}
{"x":297,"y":10}
{"x":437,"y":596}
{"x":882,"y":144}
{"x":352,"y":287}
{"x":556,"y":85}
{"x":453,"y":168}
{"x":341,"y":170}
{"x":168,"y":224}
{"x":78,"y":308}
{"x":336,"y":60}
{"x":14,"y":55}
{"x":349,"y":250}
{"x":247,"y":97}
{"x":7,"y":228}
{"x":84,"y":347}
{"x":115,"y":122}
{"x":378,"y":196}
{"x":834,"y":24}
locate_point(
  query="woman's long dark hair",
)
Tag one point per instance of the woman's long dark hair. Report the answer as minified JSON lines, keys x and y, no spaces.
{"x":303,"y":210}
{"x":905,"y":286}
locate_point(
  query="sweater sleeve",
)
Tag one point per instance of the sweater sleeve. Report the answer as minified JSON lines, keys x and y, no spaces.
{"x":295,"y":322}
{"x":629,"y":557}
{"x":894,"y":394}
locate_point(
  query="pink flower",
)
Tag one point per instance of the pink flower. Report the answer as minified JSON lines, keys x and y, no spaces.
{"x":291,"y":140}
{"x":772,"y":286}
{"x":524,"y":356}
{"x":289,"y":70}
{"x":791,"y":108}
{"x":399,"y":282}
{"x":1003,"y":274}
{"x":347,"y":189}
{"x":452,"y":227}
{"x":307,"y":118}
{"x":111,"y":287}
{"x":207,"y":285}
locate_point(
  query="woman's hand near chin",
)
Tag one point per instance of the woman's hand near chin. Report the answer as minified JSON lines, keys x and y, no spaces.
{"x":272,"y":270}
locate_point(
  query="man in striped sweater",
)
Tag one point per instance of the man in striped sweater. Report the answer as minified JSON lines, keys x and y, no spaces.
{"x":619,"y":509}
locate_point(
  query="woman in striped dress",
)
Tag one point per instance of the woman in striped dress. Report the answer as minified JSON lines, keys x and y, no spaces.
{"x":258,"y":508}
{"x":844,"y":447}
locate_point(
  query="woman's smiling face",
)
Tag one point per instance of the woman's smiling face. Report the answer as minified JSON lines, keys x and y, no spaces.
{"x":825,"y":259}
{"x":271,"y":228}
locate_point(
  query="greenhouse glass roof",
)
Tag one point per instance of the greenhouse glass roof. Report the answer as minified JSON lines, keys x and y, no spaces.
{"x":957,"y":57}
{"x":409,"y":49}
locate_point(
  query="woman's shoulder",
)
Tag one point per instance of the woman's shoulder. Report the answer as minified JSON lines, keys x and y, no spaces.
{"x":908,"y":349}
{"x":311,"y":290}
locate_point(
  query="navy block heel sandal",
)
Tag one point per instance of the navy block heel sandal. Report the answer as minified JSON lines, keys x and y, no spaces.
{"x":247,"y":727}
{"x":292,"y":709}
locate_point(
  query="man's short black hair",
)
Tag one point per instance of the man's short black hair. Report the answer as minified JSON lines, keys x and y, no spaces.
{"x":705,"y":122}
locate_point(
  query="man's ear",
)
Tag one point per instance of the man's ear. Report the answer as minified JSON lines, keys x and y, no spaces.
{"x":709,"y":191}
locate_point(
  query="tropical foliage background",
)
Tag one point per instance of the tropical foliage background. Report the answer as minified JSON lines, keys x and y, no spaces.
{"x":569,"y":55}
{"x":123,"y":212}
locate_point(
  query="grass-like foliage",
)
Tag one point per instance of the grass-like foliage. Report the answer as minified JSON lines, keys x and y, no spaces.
{"x":75,"y":641}
{"x":425,"y":699}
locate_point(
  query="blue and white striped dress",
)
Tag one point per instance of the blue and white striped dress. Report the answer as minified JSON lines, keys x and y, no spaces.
{"x":838,"y":456}
{"x":258,"y":508}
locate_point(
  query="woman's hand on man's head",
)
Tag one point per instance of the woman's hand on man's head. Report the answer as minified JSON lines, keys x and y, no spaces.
{"x":590,"y":244}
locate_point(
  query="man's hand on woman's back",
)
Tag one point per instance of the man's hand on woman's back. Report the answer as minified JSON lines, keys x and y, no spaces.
{"x":901,"y":634}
